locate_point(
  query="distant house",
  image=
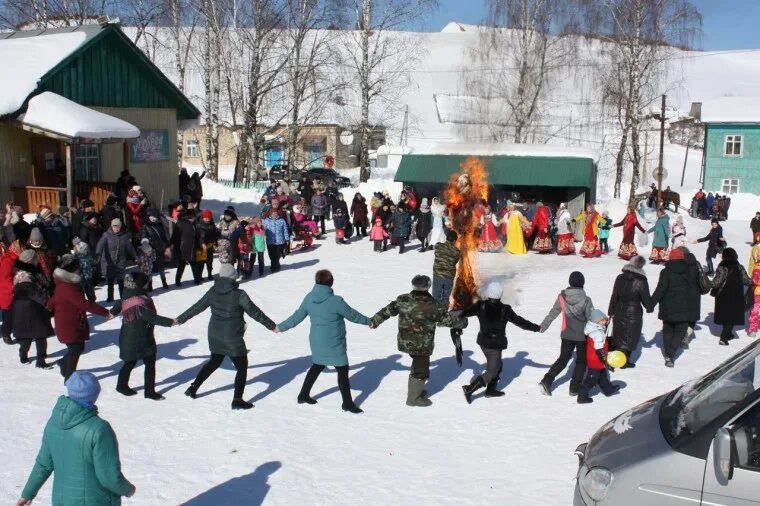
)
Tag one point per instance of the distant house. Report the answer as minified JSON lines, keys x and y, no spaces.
{"x":732,"y":144}
{"x":77,"y":106}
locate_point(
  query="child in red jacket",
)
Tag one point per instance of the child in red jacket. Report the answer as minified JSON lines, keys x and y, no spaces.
{"x":378,"y":235}
{"x":596,"y":359}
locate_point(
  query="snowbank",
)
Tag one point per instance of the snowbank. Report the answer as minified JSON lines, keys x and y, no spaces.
{"x":26,"y":60}
{"x":55,"y":113}
{"x":218,"y":196}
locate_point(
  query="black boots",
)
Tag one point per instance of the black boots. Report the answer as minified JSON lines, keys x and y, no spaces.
{"x":472,"y":387}
{"x":583,"y":397}
{"x":241,"y":404}
{"x":491,"y":390}
{"x":416,"y":395}
{"x":304,"y":396}
{"x":125,"y":390}
{"x":546,"y":387}
{"x":192,"y":391}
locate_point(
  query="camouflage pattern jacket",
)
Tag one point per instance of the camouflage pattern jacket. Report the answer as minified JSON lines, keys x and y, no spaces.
{"x":419,"y":314}
{"x":445,"y":260}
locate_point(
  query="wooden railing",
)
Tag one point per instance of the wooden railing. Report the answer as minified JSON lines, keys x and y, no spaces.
{"x":32,"y":198}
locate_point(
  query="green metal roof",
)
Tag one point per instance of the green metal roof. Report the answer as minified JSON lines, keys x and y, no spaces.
{"x":109,"y":70}
{"x":503,"y":170}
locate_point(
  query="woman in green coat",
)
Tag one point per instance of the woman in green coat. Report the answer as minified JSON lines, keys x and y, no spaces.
{"x":80,"y":450}
{"x":136,"y":340}
{"x":327,"y":336}
{"x":226,"y":329}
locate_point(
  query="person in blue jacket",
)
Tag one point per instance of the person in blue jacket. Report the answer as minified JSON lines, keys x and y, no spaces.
{"x":661,"y":239}
{"x":327,"y":336}
{"x":277,"y":234}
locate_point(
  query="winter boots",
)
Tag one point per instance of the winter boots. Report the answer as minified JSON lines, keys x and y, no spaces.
{"x":304,"y":396}
{"x":241,"y":404}
{"x":125,"y":390}
{"x":546,"y":387}
{"x":470,"y":389}
{"x":416,"y":393}
{"x":491,"y":390}
{"x":192,"y":391}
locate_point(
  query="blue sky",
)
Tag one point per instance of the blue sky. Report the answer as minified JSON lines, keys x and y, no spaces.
{"x":728,"y":24}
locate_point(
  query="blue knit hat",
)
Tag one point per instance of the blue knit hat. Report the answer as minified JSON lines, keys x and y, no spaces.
{"x":597,"y":315}
{"x":83,"y":387}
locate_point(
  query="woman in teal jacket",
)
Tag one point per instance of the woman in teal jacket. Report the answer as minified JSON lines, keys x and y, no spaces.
{"x":80,"y":449}
{"x":327,"y":336}
{"x":660,"y":242}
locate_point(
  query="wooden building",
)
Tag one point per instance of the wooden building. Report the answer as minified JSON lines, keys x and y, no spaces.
{"x":79,"y":105}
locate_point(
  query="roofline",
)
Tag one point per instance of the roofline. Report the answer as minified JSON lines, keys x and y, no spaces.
{"x":501,"y":155}
{"x":742,"y":123}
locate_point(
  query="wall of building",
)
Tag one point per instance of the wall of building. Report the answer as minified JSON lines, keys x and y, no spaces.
{"x":15,"y":160}
{"x":745,"y":168}
{"x":152,"y":176}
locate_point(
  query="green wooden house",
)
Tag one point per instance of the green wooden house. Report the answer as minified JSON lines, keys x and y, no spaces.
{"x":732,"y":145}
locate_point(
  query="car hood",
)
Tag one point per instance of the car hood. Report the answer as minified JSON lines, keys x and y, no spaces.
{"x":628,"y":437}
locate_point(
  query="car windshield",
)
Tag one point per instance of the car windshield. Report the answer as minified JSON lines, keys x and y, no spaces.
{"x":691,"y":407}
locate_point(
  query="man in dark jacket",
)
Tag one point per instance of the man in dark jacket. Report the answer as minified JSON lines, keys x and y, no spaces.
{"x":331,"y":193}
{"x":493,"y":316}
{"x":402,"y":227}
{"x":674,"y":293}
{"x":155,"y":231}
{"x":80,"y":450}
{"x":185,"y":239}
{"x":86,"y":206}
{"x":445,"y":259}
{"x":226,"y":330}
{"x":56,"y":230}
{"x":114,"y":250}
{"x":695,"y":304}
{"x":715,"y":244}
{"x":630,"y":296}
{"x":575,"y":307}
{"x":419,"y":314}
{"x":754,"y":225}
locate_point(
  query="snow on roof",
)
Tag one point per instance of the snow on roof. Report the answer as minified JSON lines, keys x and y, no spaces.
{"x":731,"y":110}
{"x":386,"y":149}
{"x":54,"y":113}
{"x":504,"y":149}
{"x":25,"y":60}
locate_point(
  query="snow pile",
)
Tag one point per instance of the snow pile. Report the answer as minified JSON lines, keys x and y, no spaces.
{"x":218,"y":196}
{"x":731,"y":110}
{"x":26,"y":60}
{"x":55,"y":113}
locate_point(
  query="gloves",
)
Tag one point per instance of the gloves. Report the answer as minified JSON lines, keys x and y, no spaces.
{"x":603,"y":357}
{"x":456,"y":338}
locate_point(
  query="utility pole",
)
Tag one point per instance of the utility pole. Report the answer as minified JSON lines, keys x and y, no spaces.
{"x":646,"y":158}
{"x":405,"y":127}
{"x":685,"y":159}
{"x":660,"y":167}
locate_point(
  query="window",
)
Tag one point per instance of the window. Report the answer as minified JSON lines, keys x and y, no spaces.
{"x":733,"y":145}
{"x":273,"y":156}
{"x":192,"y":149}
{"x":746,"y":433}
{"x":87,"y":162}
{"x":315,"y":156}
{"x":730,"y":186}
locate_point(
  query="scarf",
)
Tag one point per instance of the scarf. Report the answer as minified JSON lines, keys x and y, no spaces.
{"x":130,"y":308}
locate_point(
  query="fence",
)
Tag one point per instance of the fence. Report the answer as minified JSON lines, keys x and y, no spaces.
{"x":254,"y":185}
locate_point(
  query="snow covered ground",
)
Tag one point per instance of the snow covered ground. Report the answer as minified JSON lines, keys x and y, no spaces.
{"x":514,"y":450}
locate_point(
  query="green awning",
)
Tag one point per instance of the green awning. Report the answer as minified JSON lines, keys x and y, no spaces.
{"x":503,"y":170}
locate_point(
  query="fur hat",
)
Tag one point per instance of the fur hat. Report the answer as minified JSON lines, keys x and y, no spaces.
{"x":81,"y":248}
{"x":36,"y":235}
{"x":28,"y":256}
{"x":227,"y":271}
{"x":69,"y":263}
{"x":577,"y":280}
{"x":136,"y":280}
{"x":493,"y":290}
{"x":597,"y":315}
{"x":421,"y":282}
{"x":676,"y":254}
{"x":145,"y":245}
{"x":45,"y":213}
{"x":83,"y":387}
{"x":116,"y":222}
{"x":638,"y":261}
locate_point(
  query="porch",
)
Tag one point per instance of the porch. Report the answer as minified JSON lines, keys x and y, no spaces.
{"x":31,"y":198}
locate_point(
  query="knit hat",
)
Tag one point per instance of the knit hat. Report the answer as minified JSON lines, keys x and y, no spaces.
{"x":83,"y":386}
{"x":135,"y":280}
{"x":227,"y":271}
{"x":597,"y":315}
{"x":28,"y":256}
{"x":676,"y":254}
{"x":81,"y":248}
{"x":577,"y":280}
{"x":36,"y":235}
{"x":207,"y":214}
{"x":421,"y":282}
{"x":493,"y":290}
{"x":145,"y":245}
{"x":69,"y":263}
{"x":116,"y":222}
{"x":638,"y":261}
{"x":45,"y":213}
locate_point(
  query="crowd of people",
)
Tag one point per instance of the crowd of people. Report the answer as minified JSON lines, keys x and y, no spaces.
{"x":706,"y":206}
{"x":50,"y":267}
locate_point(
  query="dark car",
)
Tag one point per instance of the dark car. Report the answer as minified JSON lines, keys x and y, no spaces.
{"x":327,"y":175}
{"x":281,"y":171}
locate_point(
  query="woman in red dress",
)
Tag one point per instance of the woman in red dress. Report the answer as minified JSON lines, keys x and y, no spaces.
{"x":543,"y":241}
{"x":489,"y":241}
{"x":565,"y":236}
{"x":629,"y":223}
{"x":590,"y":218}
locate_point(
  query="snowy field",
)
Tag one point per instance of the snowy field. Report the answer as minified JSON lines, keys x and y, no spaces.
{"x":511,"y":450}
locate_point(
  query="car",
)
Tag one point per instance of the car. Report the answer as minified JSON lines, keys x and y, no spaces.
{"x":327,"y":175}
{"x":699,"y":444}
{"x":281,"y":171}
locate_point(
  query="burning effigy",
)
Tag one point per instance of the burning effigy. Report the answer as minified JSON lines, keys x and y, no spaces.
{"x":464,"y":193}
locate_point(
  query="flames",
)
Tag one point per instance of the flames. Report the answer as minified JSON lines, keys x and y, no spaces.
{"x":465,"y":191}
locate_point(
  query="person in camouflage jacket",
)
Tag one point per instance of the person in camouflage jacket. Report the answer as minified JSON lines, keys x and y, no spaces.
{"x":446,"y":257}
{"x":419,"y":314}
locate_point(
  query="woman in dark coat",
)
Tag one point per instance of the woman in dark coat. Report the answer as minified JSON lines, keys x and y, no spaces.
{"x":226,"y":330}
{"x":136,"y":340}
{"x":424,"y":225}
{"x":715,"y":243}
{"x":493,"y":316}
{"x":728,"y":290}
{"x":695,"y":301}
{"x":185,"y":239}
{"x":155,"y":231}
{"x":630,"y":296}
{"x":359,"y":214}
{"x":29,"y":315}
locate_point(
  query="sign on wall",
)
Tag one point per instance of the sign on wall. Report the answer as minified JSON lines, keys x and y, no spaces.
{"x":151,"y":146}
